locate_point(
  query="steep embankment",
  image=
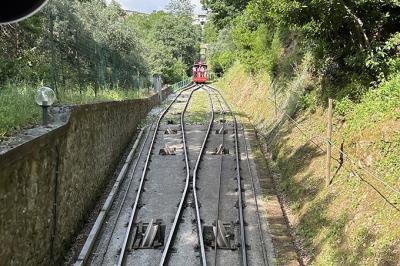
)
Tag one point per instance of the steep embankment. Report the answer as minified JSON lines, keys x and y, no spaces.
{"x":356,"y":220}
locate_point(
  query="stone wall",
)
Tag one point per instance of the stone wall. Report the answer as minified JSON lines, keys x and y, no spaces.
{"x":49,"y":184}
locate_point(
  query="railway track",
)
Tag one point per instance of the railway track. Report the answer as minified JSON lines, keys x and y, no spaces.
{"x":182,"y":200}
{"x":227,"y":222}
{"x":242,"y":231}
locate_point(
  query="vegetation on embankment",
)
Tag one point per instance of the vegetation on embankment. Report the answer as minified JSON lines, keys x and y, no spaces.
{"x":295,"y":56}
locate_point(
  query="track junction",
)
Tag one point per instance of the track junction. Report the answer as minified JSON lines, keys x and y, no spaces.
{"x":187,"y":195}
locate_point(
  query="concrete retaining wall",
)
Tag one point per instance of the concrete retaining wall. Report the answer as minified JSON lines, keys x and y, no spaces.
{"x":49,"y":184}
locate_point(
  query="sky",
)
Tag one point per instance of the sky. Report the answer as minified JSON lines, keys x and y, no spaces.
{"x":147,"y":6}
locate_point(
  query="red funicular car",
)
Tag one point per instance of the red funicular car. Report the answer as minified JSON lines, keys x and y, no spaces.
{"x":200,"y":72}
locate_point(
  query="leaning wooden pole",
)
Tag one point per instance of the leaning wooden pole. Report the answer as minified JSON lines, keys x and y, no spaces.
{"x":328,"y":143}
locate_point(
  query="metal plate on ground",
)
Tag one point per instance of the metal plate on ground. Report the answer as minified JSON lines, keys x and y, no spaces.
{"x":148,"y":235}
{"x":221,"y":131}
{"x":224,"y":233}
{"x":220,"y":150}
{"x":170,"y":131}
{"x":168,"y":150}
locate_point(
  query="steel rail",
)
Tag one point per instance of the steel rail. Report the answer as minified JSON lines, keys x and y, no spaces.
{"x":197,"y":208}
{"x":243,"y":253}
{"x":164,"y":257}
{"x":220,"y":179}
{"x":126,"y":192}
{"x":121,"y":257}
{"x":261,"y":233}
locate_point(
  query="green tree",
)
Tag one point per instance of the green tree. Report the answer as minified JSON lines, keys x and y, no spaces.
{"x":180,"y":7}
{"x":223,"y":11}
{"x":171,"y":42}
{"x":345,"y":36}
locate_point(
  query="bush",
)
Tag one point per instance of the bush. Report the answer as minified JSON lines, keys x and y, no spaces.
{"x":344,"y":106}
{"x":377,"y":105}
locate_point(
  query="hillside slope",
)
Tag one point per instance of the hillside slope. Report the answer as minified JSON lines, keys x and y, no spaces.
{"x":356,"y":220}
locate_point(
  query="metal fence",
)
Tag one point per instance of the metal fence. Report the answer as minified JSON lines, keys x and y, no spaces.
{"x":183,"y":83}
{"x":212,"y":76}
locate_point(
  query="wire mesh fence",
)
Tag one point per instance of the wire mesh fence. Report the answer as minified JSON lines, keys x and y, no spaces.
{"x":183,"y":83}
{"x":284,"y":112}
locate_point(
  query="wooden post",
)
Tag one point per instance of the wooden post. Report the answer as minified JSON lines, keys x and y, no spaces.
{"x":276,"y":107}
{"x":328,"y":144}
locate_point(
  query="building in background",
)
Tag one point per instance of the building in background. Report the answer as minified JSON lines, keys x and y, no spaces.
{"x":200,"y":19}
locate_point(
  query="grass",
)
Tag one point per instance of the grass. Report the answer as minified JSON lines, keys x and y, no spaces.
{"x":378,"y":105}
{"x":18,"y":109}
{"x":198,"y":110}
{"x":349,"y":223}
{"x":88,"y":96}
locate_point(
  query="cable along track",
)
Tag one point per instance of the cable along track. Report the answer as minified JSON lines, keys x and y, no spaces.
{"x":185,"y":253}
{"x":221,"y":151}
{"x":217,"y":189}
{"x":242,"y":237}
{"x":224,"y":225}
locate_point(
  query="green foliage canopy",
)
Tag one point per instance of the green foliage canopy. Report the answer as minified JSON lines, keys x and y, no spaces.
{"x":345,"y":36}
{"x":75,"y":44}
{"x":171,"y":42}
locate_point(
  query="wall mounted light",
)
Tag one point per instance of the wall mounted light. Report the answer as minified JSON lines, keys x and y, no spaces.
{"x":45,"y":97}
